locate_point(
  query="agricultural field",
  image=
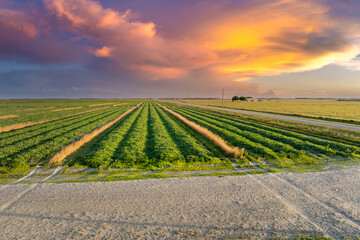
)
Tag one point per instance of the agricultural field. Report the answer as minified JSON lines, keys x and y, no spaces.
{"x":149,"y":137}
{"x":266,"y":144}
{"x":235,"y":175}
{"x":331,"y":110}
{"x":133,"y":139}
{"x":26,"y":147}
{"x":20,"y":113}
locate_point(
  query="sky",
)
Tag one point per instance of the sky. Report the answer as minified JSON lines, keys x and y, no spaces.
{"x":179,"y":48}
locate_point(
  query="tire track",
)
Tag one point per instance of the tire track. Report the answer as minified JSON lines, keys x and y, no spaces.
{"x":30,"y":174}
{"x":286,"y":202}
{"x":352,"y":221}
{"x":333,"y":212}
{"x":31,"y":187}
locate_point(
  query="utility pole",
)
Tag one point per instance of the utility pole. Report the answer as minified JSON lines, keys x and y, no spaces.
{"x":222,"y":100}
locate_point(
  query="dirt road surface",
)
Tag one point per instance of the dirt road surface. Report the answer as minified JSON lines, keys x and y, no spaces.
{"x":249,"y":206}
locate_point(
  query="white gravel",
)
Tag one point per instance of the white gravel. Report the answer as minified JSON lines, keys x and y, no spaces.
{"x":251,"y":206}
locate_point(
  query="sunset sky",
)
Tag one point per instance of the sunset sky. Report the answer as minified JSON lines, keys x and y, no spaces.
{"x":179,"y":48}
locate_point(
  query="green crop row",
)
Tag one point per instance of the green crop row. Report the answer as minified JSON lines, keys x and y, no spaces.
{"x":8,"y":107}
{"x":332,"y":110}
{"x":46,"y":114}
{"x":148,"y":137}
{"x":163,"y":149}
{"x":296,"y":139}
{"x":234,"y":139}
{"x":189,"y":147}
{"x":23,"y":134}
{"x":275,"y":145}
{"x":102,"y":150}
{"x":42,"y":146}
{"x":132,"y":150}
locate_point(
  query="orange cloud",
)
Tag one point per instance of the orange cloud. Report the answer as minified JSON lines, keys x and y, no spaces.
{"x":103,"y":52}
{"x":285,"y":36}
{"x":238,"y":42}
{"x":155,"y":73}
{"x":131,"y":43}
{"x":14,"y":23}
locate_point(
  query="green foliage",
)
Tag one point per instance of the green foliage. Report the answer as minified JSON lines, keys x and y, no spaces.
{"x":148,"y":138}
{"x":151,"y":138}
{"x":190,"y":148}
{"x":281,"y":147}
{"x":33,"y":145}
{"x":39,"y":110}
{"x":161,"y":147}
{"x":103,"y":148}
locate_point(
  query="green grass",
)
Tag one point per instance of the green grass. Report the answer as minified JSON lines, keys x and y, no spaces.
{"x":115,"y":177}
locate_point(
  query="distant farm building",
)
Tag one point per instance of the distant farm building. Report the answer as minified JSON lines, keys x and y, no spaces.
{"x":254,"y":100}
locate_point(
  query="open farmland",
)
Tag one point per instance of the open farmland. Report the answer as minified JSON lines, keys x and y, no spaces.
{"x":153,"y":138}
{"x":244,"y":176}
{"x":327,"y":109}
{"x":280,"y":147}
{"x":149,"y":137}
{"x":16,"y":114}
{"x":26,"y":147}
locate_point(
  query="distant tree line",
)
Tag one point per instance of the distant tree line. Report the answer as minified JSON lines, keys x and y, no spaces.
{"x":242,"y":98}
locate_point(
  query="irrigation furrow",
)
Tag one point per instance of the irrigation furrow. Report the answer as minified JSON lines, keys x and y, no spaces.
{"x":8,"y":116}
{"x":64,"y":109}
{"x":31,"y":187}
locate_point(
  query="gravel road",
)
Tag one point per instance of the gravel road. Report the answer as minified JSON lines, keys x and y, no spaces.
{"x":249,"y":206}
